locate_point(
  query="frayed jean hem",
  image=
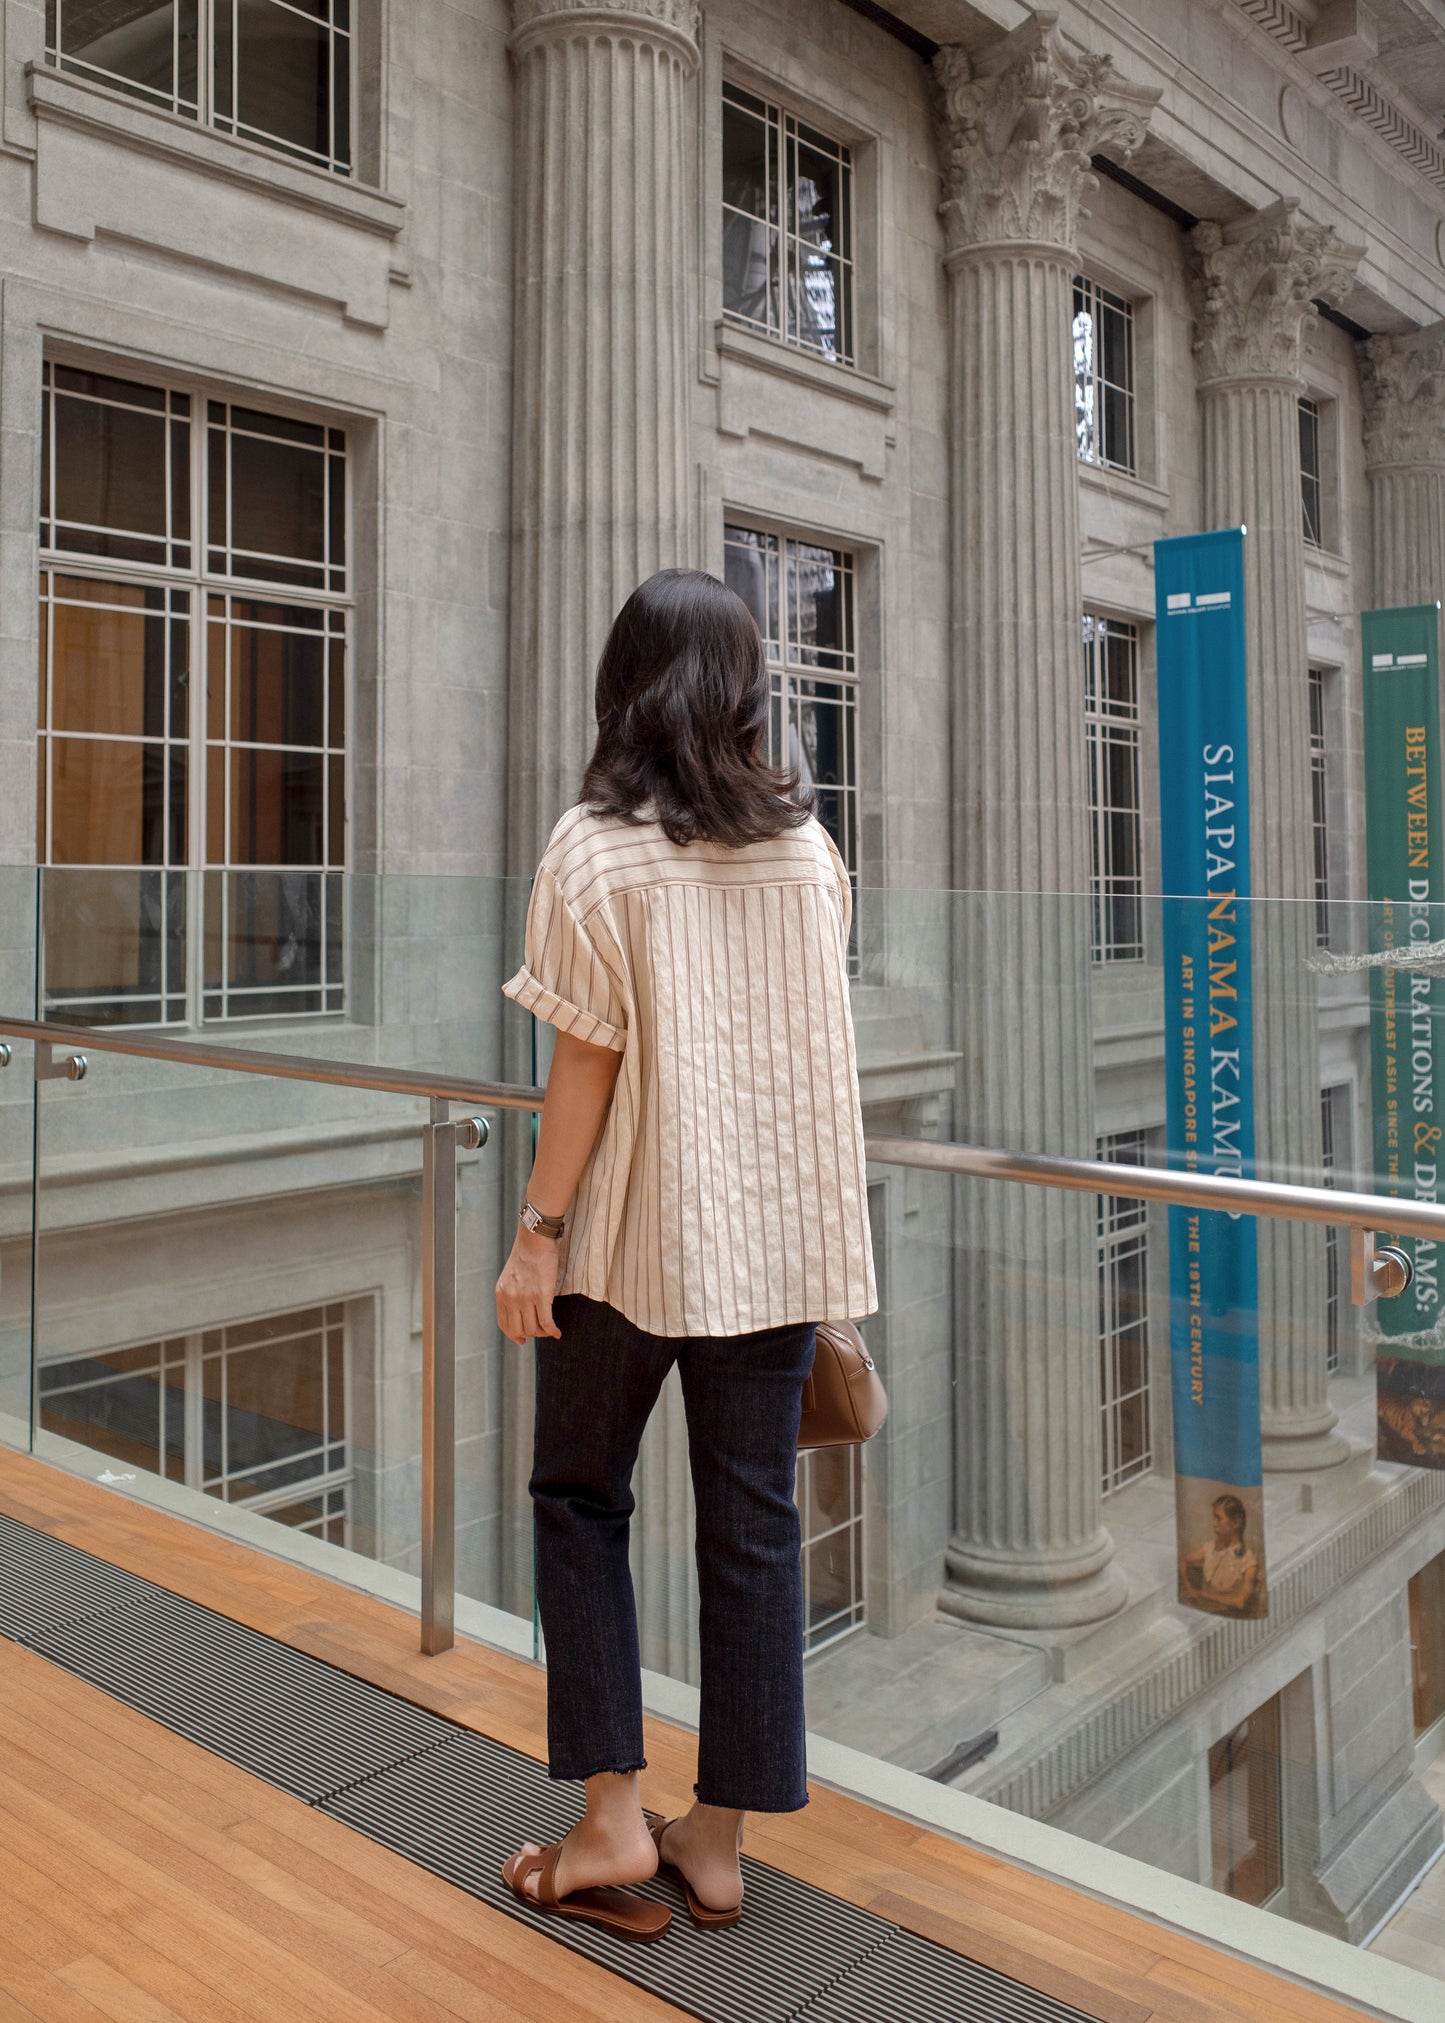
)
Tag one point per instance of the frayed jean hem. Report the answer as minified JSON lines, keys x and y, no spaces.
{"x":597,"y":1770}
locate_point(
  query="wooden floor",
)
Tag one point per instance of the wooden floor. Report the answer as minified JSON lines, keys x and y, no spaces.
{"x":145,"y":1880}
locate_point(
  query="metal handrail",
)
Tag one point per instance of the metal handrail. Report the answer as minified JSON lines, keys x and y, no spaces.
{"x":1338,"y":1207}
{"x":443,"y":1137}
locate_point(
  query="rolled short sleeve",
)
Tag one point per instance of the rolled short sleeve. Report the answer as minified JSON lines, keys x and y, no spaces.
{"x":564,"y":980}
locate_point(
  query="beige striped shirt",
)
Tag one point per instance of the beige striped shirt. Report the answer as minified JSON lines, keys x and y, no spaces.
{"x":726,"y":1191}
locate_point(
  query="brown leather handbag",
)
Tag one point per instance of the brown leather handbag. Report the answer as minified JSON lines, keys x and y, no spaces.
{"x":843,"y":1400}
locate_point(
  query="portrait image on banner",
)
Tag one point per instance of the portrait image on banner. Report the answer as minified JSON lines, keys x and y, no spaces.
{"x":1407,"y":912}
{"x":1209,"y":1070}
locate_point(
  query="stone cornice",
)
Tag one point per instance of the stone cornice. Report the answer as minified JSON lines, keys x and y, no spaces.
{"x":1402,"y":380}
{"x":1017,"y":127}
{"x":1253,"y":284}
{"x":681,"y":19}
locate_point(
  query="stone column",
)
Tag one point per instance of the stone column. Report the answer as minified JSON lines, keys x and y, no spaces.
{"x":1403,"y":383}
{"x":1018,"y":127}
{"x":1253,"y":284}
{"x":600,"y":468}
{"x":600,"y":485}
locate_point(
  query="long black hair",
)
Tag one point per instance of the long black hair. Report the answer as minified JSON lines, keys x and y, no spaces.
{"x":682,"y":711}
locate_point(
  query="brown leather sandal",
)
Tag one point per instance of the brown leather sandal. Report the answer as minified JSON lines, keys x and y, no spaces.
{"x":702,"y":1916}
{"x":613,"y":1910}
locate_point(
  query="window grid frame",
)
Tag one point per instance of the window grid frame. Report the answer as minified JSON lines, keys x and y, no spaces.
{"x":788,"y":671}
{"x":1110,"y":728}
{"x":1091,"y":379}
{"x":204,"y":109}
{"x":788,"y":245}
{"x":1334,"y":1263}
{"x":1311,"y":470}
{"x":201,"y":584}
{"x":188,"y":1354}
{"x":1320,"y":801}
{"x":1122,"y":1238}
{"x":853,"y":1615}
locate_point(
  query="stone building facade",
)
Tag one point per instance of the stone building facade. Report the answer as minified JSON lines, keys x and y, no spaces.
{"x":354,"y":364}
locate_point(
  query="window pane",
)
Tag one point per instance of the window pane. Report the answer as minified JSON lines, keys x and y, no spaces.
{"x":1244,"y":1807}
{"x":114,"y":946}
{"x":144,"y":47}
{"x":266,"y":941}
{"x":276,"y":807}
{"x":109,"y":803}
{"x":274,"y":72}
{"x":819,"y":631}
{"x":110,"y":460}
{"x":110,"y":667}
{"x":127,"y":1403}
{"x":277,"y":507}
{"x":750,"y":570}
{"x":278,"y":675}
{"x":751,"y":197}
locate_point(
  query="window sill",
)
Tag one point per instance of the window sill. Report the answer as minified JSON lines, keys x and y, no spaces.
{"x":758,"y":385}
{"x":1123,"y":485}
{"x":237,"y":224}
{"x":1327,"y":560}
{"x":807,"y":368}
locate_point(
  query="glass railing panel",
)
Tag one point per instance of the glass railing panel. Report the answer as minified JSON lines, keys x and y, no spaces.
{"x":228,"y":1317}
{"x":17,"y":999}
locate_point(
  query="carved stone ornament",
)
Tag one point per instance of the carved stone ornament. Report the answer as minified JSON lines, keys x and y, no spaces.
{"x":684,"y":17}
{"x":1402,"y":380}
{"x":1253,"y":282}
{"x":1017,"y":126}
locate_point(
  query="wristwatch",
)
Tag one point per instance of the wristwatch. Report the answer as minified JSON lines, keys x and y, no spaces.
{"x":540,"y":1224}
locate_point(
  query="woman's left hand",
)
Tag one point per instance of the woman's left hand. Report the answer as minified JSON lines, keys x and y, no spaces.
{"x":527,"y":1287}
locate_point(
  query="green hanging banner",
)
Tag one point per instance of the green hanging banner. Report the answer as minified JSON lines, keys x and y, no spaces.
{"x":1407,"y":1038}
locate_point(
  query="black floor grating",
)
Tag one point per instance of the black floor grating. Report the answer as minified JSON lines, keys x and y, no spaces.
{"x":457,"y":1803}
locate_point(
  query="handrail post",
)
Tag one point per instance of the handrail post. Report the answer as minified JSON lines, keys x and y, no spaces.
{"x":438,"y":1379}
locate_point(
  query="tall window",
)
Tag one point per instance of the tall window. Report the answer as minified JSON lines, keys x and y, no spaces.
{"x":802,"y":595}
{"x":1311,"y":489}
{"x":1245,"y":1813}
{"x":787,"y":226}
{"x":1333,"y":1262}
{"x":1320,"y":804}
{"x":1126,"y":1444}
{"x":1427,"y":1643}
{"x":277,"y":72}
{"x":193,"y":705}
{"x":830,"y":1506}
{"x":254,"y":1414}
{"x":1103,"y":375}
{"x":1111,"y":728}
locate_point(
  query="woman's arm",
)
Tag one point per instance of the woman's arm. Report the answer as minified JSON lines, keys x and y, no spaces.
{"x":579,"y":1094}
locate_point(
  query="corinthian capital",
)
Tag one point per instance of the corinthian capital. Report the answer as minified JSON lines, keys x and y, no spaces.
{"x":1403,"y":383}
{"x":1017,"y":127}
{"x":682,"y":18}
{"x":1253,"y":284}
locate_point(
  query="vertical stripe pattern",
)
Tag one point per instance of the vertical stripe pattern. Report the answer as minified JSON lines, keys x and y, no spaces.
{"x":727,"y":1190}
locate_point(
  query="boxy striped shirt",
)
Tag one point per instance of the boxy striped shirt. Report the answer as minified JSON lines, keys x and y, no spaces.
{"x":727,"y":1189}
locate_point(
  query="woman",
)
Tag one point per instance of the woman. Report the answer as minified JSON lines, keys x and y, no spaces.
{"x":697,"y":1199}
{"x":1225,"y":1573}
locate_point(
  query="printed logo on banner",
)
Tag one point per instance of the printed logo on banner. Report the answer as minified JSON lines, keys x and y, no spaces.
{"x":1405,"y":862}
{"x":1209,"y":1070}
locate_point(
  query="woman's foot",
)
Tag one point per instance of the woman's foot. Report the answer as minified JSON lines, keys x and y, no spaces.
{"x":705,"y":1845}
{"x":594,"y":1856}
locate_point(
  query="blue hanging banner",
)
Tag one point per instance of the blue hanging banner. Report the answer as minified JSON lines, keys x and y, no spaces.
{"x":1209,"y":1069}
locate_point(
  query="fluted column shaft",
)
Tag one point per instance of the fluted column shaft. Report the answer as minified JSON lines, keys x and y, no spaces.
{"x":1253,"y":284}
{"x":603,"y":142}
{"x":600,"y":492}
{"x":1407,"y":534}
{"x":1029,"y":1549}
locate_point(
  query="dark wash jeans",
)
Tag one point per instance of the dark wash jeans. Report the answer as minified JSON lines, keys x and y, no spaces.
{"x":595,"y":1390}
